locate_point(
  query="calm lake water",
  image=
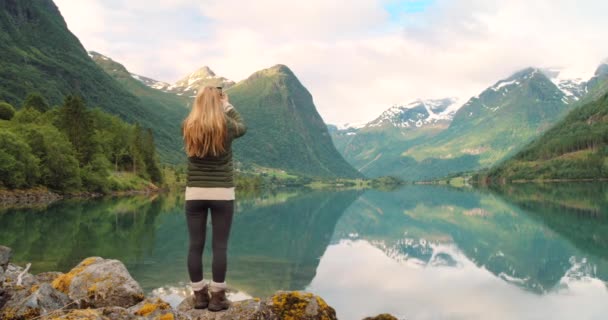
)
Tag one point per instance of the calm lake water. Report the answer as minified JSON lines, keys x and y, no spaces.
{"x":419,"y":252}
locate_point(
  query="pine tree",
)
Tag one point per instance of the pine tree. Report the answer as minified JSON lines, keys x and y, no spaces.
{"x":75,"y":121}
{"x":149,"y":154}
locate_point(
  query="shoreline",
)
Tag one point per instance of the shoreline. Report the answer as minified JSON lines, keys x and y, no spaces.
{"x":103,"y":289}
{"x":44,"y":196}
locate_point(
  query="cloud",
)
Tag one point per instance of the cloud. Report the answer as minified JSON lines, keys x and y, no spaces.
{"x":356,"y":57}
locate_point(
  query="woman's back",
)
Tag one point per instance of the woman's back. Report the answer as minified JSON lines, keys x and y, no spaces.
{"x":217,"y":171}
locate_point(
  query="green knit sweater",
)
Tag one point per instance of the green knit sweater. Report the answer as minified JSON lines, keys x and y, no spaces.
{"x":218,"y":171}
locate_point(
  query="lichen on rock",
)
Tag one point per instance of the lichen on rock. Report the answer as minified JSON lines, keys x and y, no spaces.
{"x":98,"y":282}
{"x":42,"y":300}
{"x":299,"y":305}
{"x":156,"y":309}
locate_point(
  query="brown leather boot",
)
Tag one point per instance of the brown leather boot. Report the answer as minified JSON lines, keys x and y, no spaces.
{"x":219,"y":301}
{"x":201,"y":298}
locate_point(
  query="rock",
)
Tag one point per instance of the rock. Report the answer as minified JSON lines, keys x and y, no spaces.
{"x":3,"y":297}
{"x":384,"y":316}
{"x":300,"y":305}
{"x":11,"y":278}
{"x":83,"y":314}
{"x":107,"y":313}
{"x":154,"y":309}
{"x":117,"y":313}
{"x":97,"y":282}
{"x":5,"y":256}
{"x":48,"y":277}
{"x":42,"y":300}
{"x":252,"y":309}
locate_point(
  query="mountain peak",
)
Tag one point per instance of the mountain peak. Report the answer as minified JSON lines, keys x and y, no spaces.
{"x":417,"y":113}
{"x":204,"y":71}
{"x":571,"y":84}
{"x":276,"y":70}
{"x":602,"y":69}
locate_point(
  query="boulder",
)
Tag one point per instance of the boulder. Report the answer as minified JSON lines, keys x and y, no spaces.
{"x":156,"y":308}
{"x":96,"y":282}
{"x":11,"y":278}
{"x":107,"y":313}
{"x":300,"y":305}
{"x":48,"y":277}
{"x":82,"y":314}
{"x":5,"y":256}
{"x":41,"y":300}
{"x":252,"y":309}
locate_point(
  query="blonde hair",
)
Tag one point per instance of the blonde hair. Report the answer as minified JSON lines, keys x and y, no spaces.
{"x":204,"y":129}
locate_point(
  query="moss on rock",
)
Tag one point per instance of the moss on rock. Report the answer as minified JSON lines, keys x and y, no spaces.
{"x":301,"y":306}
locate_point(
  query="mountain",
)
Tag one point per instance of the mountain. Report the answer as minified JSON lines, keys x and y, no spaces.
{"x":373,"y":146}
{"x":574,"y":88}
{"x":575,"y":148}
{"x":489,"y":127}
{"x":598,"y":84}
{"x":39,"y":54}
{"x":285,"y":129}
{"x":417,"y":113}
{"x":189,"y":85}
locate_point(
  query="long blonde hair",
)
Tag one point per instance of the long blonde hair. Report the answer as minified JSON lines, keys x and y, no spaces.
{"x":204,"y":129}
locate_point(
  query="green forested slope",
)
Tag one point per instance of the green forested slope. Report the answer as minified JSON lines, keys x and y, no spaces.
{"x":39,"y":54}
{"x":285,"y":129}
{"x":575,"y":148}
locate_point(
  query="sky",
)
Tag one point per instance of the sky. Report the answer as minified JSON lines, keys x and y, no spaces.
{"x":356,"y":57}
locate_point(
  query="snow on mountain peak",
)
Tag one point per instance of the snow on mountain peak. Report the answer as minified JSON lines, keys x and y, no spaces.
{"x":571,"y":82}
{"x":347,"y":126}
{"x":417,"y":113}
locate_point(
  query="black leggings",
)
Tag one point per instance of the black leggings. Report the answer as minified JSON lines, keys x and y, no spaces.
{"x":221,"y":220}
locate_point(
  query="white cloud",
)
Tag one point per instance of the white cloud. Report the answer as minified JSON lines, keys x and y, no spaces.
{"x":352,"y":55}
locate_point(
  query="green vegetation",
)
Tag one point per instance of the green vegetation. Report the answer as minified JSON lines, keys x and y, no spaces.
{"x":31,"y":31}
{"x":285,"y":130}
{"x":72,"y":148}
{"x":7,"y":111}
{"x":576,"y":148}
{"x":377,"y":151}
{"x":37,"y":102}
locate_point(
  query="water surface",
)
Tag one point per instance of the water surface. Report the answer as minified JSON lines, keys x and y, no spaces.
{"x":419,"y":252}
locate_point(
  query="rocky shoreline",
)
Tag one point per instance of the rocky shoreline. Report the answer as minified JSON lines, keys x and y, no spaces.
{"x":44,"y":196}
{"x":103,"y":289}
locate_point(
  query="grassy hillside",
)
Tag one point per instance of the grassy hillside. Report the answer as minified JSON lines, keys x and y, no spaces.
{"x":39,"y":54}
{"x":285,"y":129}
{"x":575,"y":148}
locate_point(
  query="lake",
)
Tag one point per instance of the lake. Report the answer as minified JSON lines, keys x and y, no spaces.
{"x":418,"y":252}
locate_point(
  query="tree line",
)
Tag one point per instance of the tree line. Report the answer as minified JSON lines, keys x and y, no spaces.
{"x":72,"y":148}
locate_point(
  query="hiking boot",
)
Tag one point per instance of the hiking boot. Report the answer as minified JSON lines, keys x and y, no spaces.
{"x":219,"y":301}
{"x":201,"y":298}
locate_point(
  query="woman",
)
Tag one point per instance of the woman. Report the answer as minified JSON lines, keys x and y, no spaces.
{"x":208,"y":132}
